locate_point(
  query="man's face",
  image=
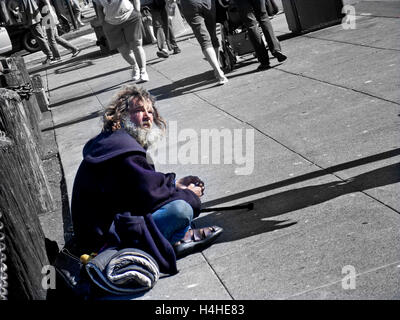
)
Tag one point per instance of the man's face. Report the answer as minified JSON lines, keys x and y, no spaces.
{"x":141,"y":113}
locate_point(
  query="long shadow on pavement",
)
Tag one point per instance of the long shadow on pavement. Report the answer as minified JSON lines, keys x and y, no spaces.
{"x":180,"y":87}
{"x":199,"y":82}
{"x":184,"y":86}
{"x":105,"y":74}
{"x":88,"y":95}
{"x":70,"y":67}
{"x":164,"y":92}
{"x":305,"y":177}
{"x":242,"y":224}
{"x":90,"y":116}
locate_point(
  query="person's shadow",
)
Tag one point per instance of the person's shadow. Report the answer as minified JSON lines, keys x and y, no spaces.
{"x":186,"y":85}
{"x":239,"y":224}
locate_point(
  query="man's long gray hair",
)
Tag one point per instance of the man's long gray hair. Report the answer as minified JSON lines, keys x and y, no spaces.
{"x":119,"y":106}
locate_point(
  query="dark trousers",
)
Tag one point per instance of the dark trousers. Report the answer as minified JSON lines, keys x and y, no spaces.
{"x":53,"y":39}
{"x":161,"y":22}
{"x":252,"y":13}
{"x":38,"y":33}
{"x":271,"y":7}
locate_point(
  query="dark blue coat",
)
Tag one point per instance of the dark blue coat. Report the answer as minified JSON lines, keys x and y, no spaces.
{"x":116,"y":178}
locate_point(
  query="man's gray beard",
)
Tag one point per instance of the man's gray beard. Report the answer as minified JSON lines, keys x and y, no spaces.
{"x":145,"y":137}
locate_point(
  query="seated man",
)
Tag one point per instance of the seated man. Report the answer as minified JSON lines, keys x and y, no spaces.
{"x":116,"y":177}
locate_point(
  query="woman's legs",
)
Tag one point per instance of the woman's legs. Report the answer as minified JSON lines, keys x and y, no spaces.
{"x":210,"y":24}
{"x":131,"y":49}
{"x":212,"y":58}
{"x":129,"y":56}
{"x":127,"y":53}
{"x":205,"y":34}
{"x":140,"y":56}
{"x":173,"y":220}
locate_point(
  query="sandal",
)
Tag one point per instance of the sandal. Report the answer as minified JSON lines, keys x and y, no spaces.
{"x":196,"y":240}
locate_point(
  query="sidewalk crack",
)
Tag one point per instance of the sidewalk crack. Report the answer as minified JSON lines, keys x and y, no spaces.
{"x":338,"y":281}
{"x":218,"y":277}
{"x":337,"y":85}
{"x":350,"y":43}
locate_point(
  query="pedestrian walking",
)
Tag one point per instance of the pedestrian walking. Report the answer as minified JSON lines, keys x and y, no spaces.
{"x":27,"y":11}
{"x":121,"y":21}
{"x":49,"y":23}
{"x":254,"y":13}
{"x":201,"y":16}
{"x":163,"y":29}
{"x":77,"y":11}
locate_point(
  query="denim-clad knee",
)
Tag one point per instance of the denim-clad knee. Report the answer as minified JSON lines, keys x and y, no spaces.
{"x":173,"y":219}
{"x":180,"y":210}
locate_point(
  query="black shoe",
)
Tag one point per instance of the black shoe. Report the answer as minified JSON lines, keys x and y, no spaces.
{"x":263,"y":66}
{"x":279,"y":56}
{"x":75,"y":53}
{"x":196,"y":240}
{"x":48,"y":60}
{"x":177,"y":50}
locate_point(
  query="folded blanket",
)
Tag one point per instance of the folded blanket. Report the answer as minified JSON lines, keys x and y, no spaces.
{"x":126,"y":271}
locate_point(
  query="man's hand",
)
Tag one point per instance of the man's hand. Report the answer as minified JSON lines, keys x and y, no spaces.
{"x":199,"y":191}
{"x":192,"y":183}
{"x":186,"y":181}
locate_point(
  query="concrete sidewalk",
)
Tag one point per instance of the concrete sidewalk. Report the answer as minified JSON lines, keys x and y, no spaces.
{"x":325,"y":182}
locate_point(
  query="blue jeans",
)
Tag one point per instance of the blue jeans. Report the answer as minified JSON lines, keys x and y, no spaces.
{"x":37,"y":32}
{"x":173,"y":220}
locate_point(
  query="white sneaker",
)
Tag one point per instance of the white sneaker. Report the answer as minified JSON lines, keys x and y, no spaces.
{"x":144,"y":77}
{"x":135,"y":74}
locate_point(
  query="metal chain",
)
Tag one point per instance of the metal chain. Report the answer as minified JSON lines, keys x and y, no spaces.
{"x":3,"y":266}
{"x":24,"y":90}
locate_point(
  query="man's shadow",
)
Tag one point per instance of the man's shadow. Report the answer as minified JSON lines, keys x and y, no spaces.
{"x":239,"y":224}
